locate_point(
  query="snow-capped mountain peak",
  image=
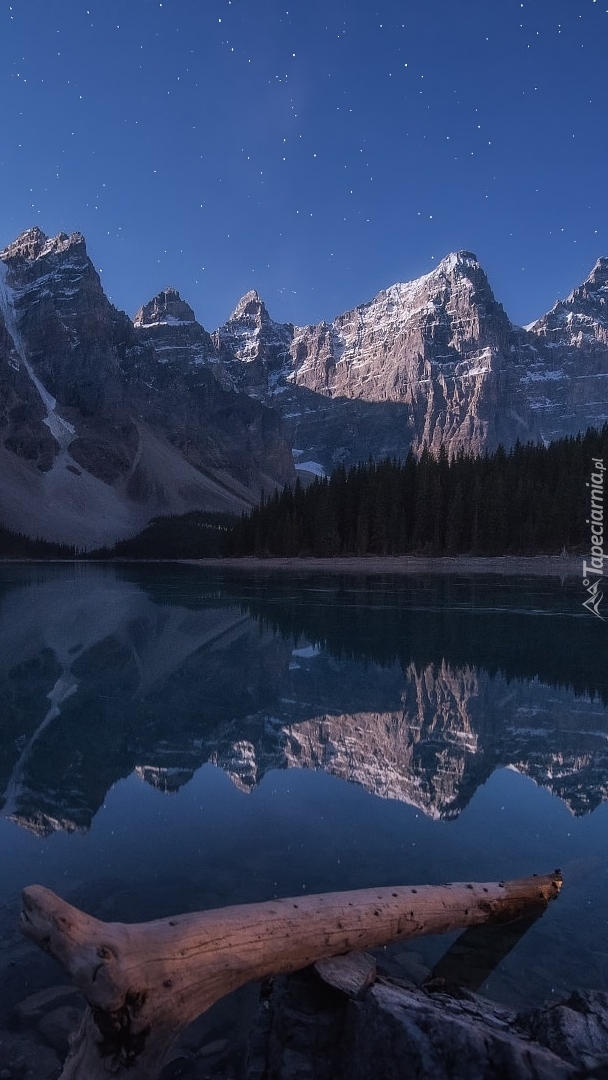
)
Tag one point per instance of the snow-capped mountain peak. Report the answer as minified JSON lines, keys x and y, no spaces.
{"x":456,"y":260}
{"x":252,"y":338}
{"x":582,"y":317}
{"x":34,"y":244}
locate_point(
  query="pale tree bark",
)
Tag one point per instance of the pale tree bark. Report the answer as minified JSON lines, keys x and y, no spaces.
{"x":144,"y":982}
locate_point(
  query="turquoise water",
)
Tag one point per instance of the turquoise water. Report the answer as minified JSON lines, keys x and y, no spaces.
{"x":175,"y":739}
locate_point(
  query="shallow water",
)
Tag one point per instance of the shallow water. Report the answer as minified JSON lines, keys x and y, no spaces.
{"x":175,"y":739}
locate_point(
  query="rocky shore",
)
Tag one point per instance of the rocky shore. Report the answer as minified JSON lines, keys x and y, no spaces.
{"x":356,"y":1024}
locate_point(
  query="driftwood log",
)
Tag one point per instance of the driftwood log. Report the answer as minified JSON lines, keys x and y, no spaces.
{"x":145,"y":982}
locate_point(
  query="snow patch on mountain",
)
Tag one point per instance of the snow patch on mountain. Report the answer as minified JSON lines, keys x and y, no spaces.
{"x":60,"y":429}
{"x":166,"y":320}
{"x":313,"y":467}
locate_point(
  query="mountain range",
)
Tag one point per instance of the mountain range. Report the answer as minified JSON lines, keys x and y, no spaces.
{"x":106,"y":422}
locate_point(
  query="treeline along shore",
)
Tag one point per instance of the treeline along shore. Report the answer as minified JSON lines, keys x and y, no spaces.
{"x":531,"y":500}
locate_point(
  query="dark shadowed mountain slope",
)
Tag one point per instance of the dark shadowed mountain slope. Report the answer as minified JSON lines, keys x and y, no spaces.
{"x":97,"y":434}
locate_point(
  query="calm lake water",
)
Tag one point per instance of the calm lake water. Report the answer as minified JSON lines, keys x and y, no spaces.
{"x":173,"y":739}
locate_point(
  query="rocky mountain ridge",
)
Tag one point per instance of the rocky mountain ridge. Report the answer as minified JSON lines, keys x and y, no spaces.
{"x":106,"y":422}
{"x":433,"y":361}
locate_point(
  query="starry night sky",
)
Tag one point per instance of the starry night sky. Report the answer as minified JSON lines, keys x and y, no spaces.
{"x":316,"y":150}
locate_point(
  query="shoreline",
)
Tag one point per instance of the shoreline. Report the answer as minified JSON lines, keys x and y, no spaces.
{"x":562,"y":566}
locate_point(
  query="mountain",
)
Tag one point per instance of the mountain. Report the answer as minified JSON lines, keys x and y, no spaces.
{"x":106,"y":423}
{"x":253,"y":348}
{"x":582,"y":318}
{"x":434,"y":361}
{"x":99,"y":429}
{"x":565,"y":379}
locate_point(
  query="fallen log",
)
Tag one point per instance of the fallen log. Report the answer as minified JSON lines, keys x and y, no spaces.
{"x":145,"y":982}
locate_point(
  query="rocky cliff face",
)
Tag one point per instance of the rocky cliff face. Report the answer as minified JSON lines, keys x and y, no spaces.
{"x":255,"y":350}
{"x":564,"y":367}
{"x":433,"y":361}
{"x":437,"y":346}
{"x":167,"y":323}
{"x":100,"y":427}
{"x":582,"y":318}
{"x":234,"y":441}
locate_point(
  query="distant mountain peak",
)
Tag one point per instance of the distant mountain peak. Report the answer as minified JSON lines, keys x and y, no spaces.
{"x":585,"y":306}
{"x":250,"y":304}
{"x":28,"y":245}
{"x":599,"y":275}
{"x":458,"y":259}
{"x":167,"y":307}
{"x":34,"y":244}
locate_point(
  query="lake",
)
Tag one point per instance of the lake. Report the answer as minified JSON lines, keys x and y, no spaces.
{"x":176,"y":738}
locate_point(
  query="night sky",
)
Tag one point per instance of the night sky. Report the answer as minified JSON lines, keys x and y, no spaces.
{"x":316,"y":150}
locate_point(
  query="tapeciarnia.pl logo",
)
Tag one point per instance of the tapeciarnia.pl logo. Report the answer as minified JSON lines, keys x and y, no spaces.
{"x":593,"y":571}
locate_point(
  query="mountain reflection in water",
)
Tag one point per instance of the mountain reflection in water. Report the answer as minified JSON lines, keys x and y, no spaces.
{"x":173,"y":738}
{"x":415,"y":689}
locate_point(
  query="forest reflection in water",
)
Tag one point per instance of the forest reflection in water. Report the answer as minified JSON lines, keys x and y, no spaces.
{"x":253,"y":698}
